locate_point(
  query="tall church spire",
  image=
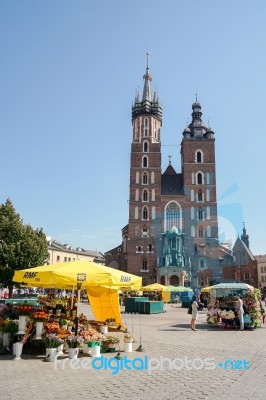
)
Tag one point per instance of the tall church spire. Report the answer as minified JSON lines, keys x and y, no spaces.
{"x":147,"y":82}
{"x":150,"y":103}
{"x":244,"y":236}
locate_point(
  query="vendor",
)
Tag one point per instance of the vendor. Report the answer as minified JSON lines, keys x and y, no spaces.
{"x":240,"y":312}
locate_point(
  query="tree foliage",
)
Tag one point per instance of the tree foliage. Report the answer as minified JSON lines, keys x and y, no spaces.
{"x":21,"y":246}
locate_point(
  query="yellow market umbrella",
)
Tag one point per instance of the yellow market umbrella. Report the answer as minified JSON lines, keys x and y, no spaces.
{"x":101,"y":282}
{"x":153,"y":287}
{"x":68,"y":274}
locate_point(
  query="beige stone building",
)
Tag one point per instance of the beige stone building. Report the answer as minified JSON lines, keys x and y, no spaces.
{"x":261,"y":262}
{"x":64,"y":252}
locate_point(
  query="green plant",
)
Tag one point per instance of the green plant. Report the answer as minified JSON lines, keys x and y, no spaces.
{"x":63,"y":321}
{"x":9,"y":326}
{"x":111,"y":339}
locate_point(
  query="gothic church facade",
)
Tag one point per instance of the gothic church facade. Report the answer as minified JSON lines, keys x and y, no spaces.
{"x":172,"y":230}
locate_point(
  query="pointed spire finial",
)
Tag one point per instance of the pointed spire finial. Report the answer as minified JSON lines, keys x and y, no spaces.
{"x":169,"y":159}
{"x":147,"y":54}
{"x":196,"y":94}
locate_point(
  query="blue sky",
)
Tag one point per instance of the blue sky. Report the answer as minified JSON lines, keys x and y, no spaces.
{"x":68,"y":75}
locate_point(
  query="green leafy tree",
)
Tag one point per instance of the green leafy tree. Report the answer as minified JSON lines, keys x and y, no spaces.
{"x":21,"y":246}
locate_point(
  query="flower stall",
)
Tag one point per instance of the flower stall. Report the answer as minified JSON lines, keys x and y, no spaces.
{"x":222,"y":306}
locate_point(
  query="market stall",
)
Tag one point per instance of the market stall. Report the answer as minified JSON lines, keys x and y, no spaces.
{"x":222,"y":305}
{"x":101,"y":283}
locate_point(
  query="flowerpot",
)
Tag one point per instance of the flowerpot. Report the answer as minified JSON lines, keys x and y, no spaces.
{"x":112,"y":345}
{"x":64,"y":327}
{"x":85,"y":348}
{"x":128,"y":347}
{"x":18,"y":350}
{"x":22,"y":324}
{"x":39,"y":329}
{"x":60,"y":348}
{"x":67,"y":313}
{"x":128,"y":340}
{"x":50,"y":354}
{"x":74,"y":313}
{"x":69,"y":328}
{"x":73,"y":353}
{"x":104,"y":329}
{"x":94,"y":344}
{"x":6,"y":339}
{"x":96,"y":351}
{"x":57,"y":311}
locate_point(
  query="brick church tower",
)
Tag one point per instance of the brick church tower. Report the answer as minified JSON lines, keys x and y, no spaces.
{"x":172,"y":231}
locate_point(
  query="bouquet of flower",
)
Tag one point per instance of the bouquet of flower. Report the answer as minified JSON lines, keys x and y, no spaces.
{"x":74,"y":342}
{"x":91,"y":336}
{"x":23,"y":310}
{"x":52,"y":341}
{"x":40,"y":315}
{"x":52,"y":327}
{"x":111,"y":339}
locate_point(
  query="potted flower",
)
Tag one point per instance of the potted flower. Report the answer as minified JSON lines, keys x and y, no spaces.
{"x":23,"y":311}
{"x":39,"y":316}
{"x":70,"y":325}
{"x":63,"y":323}
{"x":73,"y":343}
{"x":128,"y":338}
{"x":110,"y":342}
{"x":51,"y":342}
{"x":58,"y":308}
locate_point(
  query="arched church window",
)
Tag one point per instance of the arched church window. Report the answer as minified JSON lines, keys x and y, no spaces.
{"x":200,"y":213}
{"x":145,"y":195}
{"x":199,"y":178}
{"x":173,"y":216}
{"x":145,"y":147}
{"x":145,"y":162}
{"x":199,"y":156}
{"x":144,"y":264}
{"x":145,"y":213}
{"x":145,"y":178}
{"x":200,"y":196}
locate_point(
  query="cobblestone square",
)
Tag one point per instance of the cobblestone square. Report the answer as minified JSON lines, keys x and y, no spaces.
{"x":168,"y":338}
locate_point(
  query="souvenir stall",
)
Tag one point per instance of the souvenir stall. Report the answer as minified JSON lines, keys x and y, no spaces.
{"x":222,"y":305}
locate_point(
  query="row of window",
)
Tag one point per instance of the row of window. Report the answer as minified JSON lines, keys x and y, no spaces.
{"x":145,"y":178}
{"x":154,"y":129}
{"x":58,"y":259}
{"x":199,"y":196}
{"x":200,"y":232}
{"x":139,"y":248}
{"x":199,"y":214}
{"x":145,"y":196}
{"x":262,"y":269}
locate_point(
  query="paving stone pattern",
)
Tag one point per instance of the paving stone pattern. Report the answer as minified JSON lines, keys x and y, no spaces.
{"x":165,"y":335}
